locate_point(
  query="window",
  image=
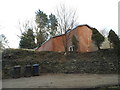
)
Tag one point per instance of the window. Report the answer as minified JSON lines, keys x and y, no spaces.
{"x":71,"y":48}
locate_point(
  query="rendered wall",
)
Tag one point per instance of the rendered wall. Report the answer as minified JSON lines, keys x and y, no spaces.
{"x":58,"y":43}
{"x":86,"y":43}
{"x":70,"y":35}
{"x":47,"y":46}
{"x":82,"y":33}
{"x":85,"y":35}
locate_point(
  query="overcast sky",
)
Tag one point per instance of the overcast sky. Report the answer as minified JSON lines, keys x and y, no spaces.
{"x":102,"y":14}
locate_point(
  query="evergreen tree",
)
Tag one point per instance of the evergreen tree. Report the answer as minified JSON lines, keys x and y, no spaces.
{"x":40,"y":38}
{"x":97,"y":37}
{"x":114,"y":39}
{"x":41,"y":19}
{"x":42,"y":33}
{"x":27,"y":40}
{"x":52,"y":25}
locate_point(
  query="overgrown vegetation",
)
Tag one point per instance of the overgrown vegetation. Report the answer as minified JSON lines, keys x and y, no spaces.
{"x":75,"y":43}
{"x":102,"y":61}
{"x":97,"y":37}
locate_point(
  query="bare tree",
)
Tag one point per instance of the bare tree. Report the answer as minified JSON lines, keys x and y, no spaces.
{"x":25,"y":25}
{"x":104,"y":32}
{"x":67,"y":20}
{"x":3,"y":42}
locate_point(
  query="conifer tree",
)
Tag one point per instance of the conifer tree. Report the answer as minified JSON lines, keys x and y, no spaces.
{"x":27,"y":40}
{"x":97,"y":37}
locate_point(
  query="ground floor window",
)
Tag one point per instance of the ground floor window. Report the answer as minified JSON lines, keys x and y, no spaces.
{"x":71,"y":48}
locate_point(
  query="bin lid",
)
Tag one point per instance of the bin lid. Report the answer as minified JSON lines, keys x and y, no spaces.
{"x":35,"y":64}
{"x":28,"y":65}
{"x":18,"y":66}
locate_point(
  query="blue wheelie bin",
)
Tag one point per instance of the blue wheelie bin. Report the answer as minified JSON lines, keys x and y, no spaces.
{"x":35,"y":69}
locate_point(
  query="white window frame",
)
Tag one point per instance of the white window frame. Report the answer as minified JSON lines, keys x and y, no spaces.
{"x":71,"y":48}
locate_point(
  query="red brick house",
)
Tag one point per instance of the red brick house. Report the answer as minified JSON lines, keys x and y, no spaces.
{"x":83,"y":34}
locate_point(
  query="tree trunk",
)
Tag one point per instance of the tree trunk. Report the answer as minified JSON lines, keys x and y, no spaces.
{"x":98,"y":47}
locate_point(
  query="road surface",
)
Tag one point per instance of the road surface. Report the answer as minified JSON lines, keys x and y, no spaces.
{"x":62,"y":81}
